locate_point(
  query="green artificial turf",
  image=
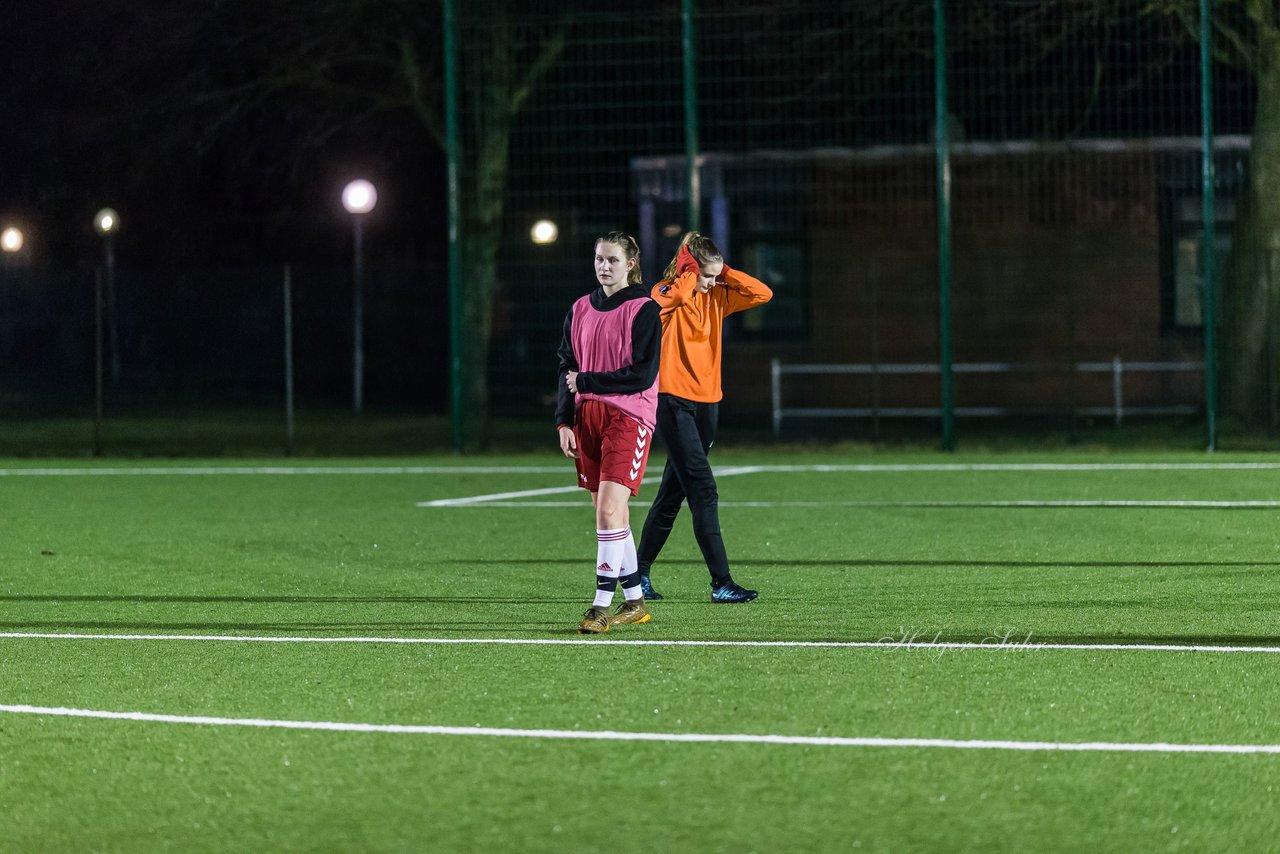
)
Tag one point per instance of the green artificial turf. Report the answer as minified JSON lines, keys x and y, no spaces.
{"x":872,"y":555}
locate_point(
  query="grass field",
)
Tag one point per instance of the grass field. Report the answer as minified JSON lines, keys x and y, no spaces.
{"x":973,"y":652}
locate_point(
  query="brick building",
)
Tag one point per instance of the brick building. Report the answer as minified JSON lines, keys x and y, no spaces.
{"x":1061,"y":254}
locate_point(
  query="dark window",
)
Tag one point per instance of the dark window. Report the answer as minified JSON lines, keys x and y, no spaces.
{"x":779,"y":262}
{"x":1182,"y":231}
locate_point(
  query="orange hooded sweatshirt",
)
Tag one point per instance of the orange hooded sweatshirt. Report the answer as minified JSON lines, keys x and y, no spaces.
{"x":693,"y":329}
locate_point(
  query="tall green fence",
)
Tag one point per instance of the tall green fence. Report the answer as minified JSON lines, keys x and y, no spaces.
{"x":1075,"y":215}
{"x":1007,"y":235}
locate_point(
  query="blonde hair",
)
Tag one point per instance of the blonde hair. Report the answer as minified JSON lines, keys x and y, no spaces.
{"x":701,"y":247}
{"x":630,"y":250}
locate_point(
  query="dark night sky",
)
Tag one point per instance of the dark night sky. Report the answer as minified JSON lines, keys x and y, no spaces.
{"x":103,"y":106}
{"x":88,"y":122}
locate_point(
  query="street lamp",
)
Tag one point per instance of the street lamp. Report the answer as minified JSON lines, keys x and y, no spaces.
{"x":358,"y":198}
{"x":11,"y":240}
{"x":544,"y":231}
{"x":107,"y":222}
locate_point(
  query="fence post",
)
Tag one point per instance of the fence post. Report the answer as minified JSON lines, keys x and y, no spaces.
{"x":775,"y":374}
{"x":452,"y":156}
{"x":1210,"y":231}
{"x":1117,"y":390}
{"x":693,"y":188}
{"x":875,"y":350}
{"x":1273,"y":354}
{"x":97,"y":363}
{"x":287,"y":286}
{"x":943,"y":153}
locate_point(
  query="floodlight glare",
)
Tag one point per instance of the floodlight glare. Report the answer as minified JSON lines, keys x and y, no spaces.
{"x":544,"y":231}
{"x":359,"y":197}
{"x":11,"y":240}
{"x":106,"y":221}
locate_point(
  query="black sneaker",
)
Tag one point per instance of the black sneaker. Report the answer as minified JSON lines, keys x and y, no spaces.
{"x":646,"y":587}
{"x":731,"y":594}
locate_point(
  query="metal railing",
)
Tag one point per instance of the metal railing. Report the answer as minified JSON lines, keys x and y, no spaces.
{"x":1116,"y":367}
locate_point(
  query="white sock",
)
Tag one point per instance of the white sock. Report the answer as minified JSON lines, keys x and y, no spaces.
{"x":610,"y":555}
{"x":629,"y":579}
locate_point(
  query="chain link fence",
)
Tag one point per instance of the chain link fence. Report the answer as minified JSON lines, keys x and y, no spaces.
{"x":1074,"y":148}
{"x":1061,"y":158}
{"x":214,"y":361}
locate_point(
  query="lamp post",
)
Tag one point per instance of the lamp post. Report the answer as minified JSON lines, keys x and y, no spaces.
{"x":358,"y":198}
{"x":11,"y":241}
{"x":107,"y":222}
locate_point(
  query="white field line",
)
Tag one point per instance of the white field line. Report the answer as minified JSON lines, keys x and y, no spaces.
{"x":1121,"y":502}
{"x":194,"y":471}
{"x":486,"y":501}
{"x":203,"y":471}
{"x":1024,"y":467}
{"x":503,"y":499}
{"x":1007,"y":644}
{"x":667,"y":737}
{"x":498,"y":499}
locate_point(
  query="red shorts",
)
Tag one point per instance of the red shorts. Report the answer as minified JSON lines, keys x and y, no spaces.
{"x":611,"y":446}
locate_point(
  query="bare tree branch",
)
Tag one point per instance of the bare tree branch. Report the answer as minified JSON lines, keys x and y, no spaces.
{"x":419,"y":101}
{"x":551,"y":49}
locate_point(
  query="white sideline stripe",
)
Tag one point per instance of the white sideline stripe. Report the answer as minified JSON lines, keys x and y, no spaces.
{"x":497,"y":499}
{"x":560,"y":469}
{"x":670,"y":737}
{"x":1012,"y":503}
{"x":1025,"y":467}
{"x":485,"y":501}
{"x":502,"y":499}
{"x":995,"y":644}
{"x":274,"y":470}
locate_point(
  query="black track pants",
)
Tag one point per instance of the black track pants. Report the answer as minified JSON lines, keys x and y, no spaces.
{"x":688,"y":429}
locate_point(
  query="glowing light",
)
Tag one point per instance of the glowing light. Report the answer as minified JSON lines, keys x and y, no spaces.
{"x":544,"y":231}
{"x":359,"y":197}
{"x":106,"y":221}
{"x":11,"y":240}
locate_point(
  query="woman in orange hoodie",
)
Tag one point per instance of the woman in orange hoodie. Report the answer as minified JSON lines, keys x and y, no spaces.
{"x":699,"y":290}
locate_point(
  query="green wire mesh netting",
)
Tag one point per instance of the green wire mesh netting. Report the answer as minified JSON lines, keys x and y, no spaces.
{"x":1075,"y":169}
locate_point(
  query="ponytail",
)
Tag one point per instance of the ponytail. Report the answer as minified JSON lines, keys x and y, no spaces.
{"x":701,"y":247}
